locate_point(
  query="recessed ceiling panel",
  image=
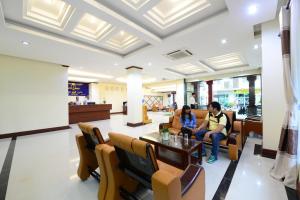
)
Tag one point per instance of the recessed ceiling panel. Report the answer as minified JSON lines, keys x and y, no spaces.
{"x":187,"y":69}
{"x":122,"y":40}
{"x":135,"y":4}
{"x":226,"y":61}
{"x":53,"y":13}
{"x":169,"y":12}
{"x":92,"y":28}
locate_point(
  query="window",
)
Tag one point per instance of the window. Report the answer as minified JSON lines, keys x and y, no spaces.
{"x":203,"y":95}
{"x":233,"y":94}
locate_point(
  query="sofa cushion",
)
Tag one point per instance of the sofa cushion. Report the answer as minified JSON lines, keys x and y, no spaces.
{"x":176,"y":122}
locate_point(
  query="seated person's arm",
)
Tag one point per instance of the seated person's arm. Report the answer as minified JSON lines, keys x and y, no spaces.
{"x":193,"y":123}
{"x":219,"y":129}
{"x":203,"y":125}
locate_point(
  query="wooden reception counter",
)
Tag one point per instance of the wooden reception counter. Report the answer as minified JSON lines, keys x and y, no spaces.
{"x":87,"y":113}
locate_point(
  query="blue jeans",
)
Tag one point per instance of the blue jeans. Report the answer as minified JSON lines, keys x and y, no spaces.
{"x":215,"y":137}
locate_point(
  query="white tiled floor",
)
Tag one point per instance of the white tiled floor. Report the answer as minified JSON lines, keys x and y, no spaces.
{"x":4,"y":145}
{"x":44,"y":166}
{"x":251,"y":179}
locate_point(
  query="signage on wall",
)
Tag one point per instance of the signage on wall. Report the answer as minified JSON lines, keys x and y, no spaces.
{"x":78,"y":89}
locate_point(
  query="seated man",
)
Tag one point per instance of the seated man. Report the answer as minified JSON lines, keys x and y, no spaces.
{"x":213,"y":127}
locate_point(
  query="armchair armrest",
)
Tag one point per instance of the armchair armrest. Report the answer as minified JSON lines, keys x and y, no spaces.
{"x":237,"y":126}
{"x":232,"y":138}
{"x":188,"y":177}
{"x":191,"y":184}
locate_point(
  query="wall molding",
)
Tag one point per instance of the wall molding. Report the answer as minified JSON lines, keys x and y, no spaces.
{"x":268,"y":153}
{"x":32,"y":132}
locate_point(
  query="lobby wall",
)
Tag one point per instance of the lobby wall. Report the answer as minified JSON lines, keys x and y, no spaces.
{"x":34,"y":95}
{"x":273,"y":100}
{"x":111,"y":93}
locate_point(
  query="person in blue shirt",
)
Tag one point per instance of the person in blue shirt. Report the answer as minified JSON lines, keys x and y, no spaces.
{"x":187,"y":120}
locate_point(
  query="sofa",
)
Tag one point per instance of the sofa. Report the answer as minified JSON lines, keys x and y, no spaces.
{"x":233,"y":141}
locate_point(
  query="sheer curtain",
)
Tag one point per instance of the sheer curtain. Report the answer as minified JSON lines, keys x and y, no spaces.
{"x":286,"y":167}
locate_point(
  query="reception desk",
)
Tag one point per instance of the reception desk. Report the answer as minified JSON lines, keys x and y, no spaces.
{"x":87,"y":113}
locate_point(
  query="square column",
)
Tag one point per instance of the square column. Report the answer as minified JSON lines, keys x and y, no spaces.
{"x":134,"y":96}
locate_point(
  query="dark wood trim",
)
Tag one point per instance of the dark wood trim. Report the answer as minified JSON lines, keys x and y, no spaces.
{"x":135,"y":124}
{"x":113,"y":113}
{"x":88,"y":113}
{"x":188,"y":177}
{"x":210,"y":90}
{"x":65,"y":66}
{"x":268,"y":153}
{"x":31,"y":132}
{"x":133,"y":67}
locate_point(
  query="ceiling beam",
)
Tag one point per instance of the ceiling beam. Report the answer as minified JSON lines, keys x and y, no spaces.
{"x":206,"y":66}
{"x":112,"y":17}
{"x":57,"y":38}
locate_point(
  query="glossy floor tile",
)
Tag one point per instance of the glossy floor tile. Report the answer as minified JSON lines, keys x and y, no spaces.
{"x":252,"y":180}
{"x":44,"y":166}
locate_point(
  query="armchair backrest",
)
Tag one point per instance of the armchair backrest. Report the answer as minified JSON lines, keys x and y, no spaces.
{"x":136,"y":158}
{"x":91,"y":134}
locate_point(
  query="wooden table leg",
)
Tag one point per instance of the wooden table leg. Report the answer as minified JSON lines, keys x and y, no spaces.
{"x":200,"y":153}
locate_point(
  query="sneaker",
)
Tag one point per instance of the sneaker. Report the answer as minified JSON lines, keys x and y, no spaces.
{"x":211,"y":159}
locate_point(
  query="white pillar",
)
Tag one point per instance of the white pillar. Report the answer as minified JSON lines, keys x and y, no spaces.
{"x":134,"y":96}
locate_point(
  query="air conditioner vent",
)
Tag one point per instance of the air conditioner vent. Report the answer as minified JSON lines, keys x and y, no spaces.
{"x":179,"y":54}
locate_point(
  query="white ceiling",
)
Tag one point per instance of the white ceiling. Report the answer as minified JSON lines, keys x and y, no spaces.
{"x":134,"y":40}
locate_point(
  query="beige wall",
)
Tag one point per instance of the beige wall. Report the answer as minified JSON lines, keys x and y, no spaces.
{"x":113,"y":94}
{"x":34,"y":95}
{"x":273,"y":101}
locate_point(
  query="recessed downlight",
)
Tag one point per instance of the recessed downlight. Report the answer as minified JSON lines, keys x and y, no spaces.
{"x":149,"y":64}
{"x":25,"y":43}
{"x":252,"y":9}
{"x":223,"y":41}
{"x":255,"y":46}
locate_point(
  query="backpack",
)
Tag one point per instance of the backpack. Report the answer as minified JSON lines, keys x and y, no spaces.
{"x":228,"y":124}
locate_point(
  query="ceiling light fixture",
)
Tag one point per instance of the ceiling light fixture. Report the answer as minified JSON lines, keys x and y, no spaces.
{"x":223,"y":41}
{"x":92,"y":19}
{"x":116,"y":64}
{"x":122,"y":33}
{"x":252,"y":9}
{"x":149,"y":63}
{"x":81,"y":79}
{"x":89,"y":74}
{"x":25,"y":43}
{"x":149,"y":80}
{"x":49,"y":1}
{"x":255,"y":46}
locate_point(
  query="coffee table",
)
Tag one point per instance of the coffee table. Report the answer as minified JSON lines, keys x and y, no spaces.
{"x":177,"y":153}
